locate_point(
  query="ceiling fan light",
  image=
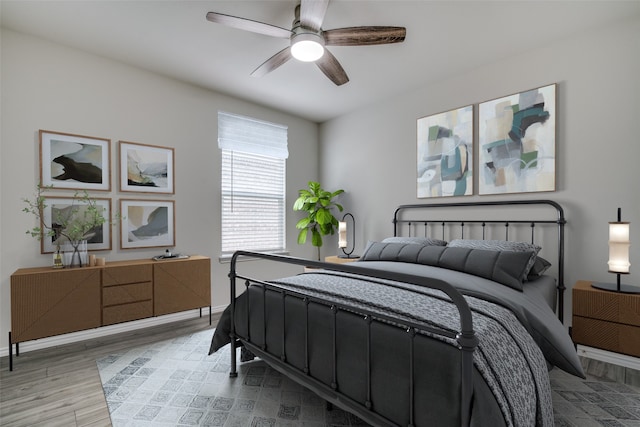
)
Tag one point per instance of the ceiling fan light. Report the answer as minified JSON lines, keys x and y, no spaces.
{"x":307,"y":47}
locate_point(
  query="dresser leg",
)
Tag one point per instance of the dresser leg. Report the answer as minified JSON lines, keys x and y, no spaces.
{"x":209,"y":315}
{"x":10,"y":353}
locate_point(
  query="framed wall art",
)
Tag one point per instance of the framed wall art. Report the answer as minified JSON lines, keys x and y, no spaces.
{"x":147,"y":223}
{"x":517,"y":142}
{"x":445,"y":154}
{"x":57,"y":208}
{"x":69,"y":161}
{"x":146,"y":168}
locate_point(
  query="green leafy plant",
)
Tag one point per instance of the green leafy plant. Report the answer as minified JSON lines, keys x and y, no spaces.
{"x":318,"y":204}
{"x":73,"y":224}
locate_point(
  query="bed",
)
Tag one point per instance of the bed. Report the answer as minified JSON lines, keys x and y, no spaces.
{"x":440,"y":324}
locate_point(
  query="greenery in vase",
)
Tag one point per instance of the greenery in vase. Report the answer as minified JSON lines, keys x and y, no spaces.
{"x":74,"y":224}
{"x":318,"y":204}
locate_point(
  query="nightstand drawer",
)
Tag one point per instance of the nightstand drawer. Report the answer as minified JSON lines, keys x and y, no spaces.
{"x":605,"y":305}
{"x":606,"y":335}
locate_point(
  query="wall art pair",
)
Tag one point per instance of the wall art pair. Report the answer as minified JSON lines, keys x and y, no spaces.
{"x":69,"y":161}
{"x":145,"y":224}
{"x":83,"y":163}
{"x":516,"y":147}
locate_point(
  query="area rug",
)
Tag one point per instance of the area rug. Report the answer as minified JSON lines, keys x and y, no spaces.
{"x":175,"y":383}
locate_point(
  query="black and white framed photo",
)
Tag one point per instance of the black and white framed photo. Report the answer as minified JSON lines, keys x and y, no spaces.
{"x":69,"y":161}
{"x":56,"y":208}
{"x":146,"y":168}
{"x":147,"y":223}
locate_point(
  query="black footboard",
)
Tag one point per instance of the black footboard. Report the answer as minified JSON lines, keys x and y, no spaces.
{"x":367,"y":363}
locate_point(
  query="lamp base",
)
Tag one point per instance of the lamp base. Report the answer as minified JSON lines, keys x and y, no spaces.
{"x":617,"y":287}
{"x":347,"y":256}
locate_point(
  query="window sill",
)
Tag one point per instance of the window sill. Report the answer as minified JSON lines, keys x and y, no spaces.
{"x":225,"y":259}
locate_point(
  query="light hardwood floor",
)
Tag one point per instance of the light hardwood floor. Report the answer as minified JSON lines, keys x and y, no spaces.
{"x":60,"y":386}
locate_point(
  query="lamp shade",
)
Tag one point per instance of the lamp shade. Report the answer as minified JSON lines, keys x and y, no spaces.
{"x":619,"y":247}
{"x":342,"y":234}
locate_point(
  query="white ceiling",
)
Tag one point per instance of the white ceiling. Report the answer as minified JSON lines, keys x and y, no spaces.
{"x":172,"y":37}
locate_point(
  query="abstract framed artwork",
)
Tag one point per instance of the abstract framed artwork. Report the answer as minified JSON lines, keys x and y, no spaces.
{"x":98,"y":239}
{"x":69,"y":161}
{"x":147,"y":223}
{"x":146,"y":168}
{"x":445,"y":154}
{"x":517,"y":142}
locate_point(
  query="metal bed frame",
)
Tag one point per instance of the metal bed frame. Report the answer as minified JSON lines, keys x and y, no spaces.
{"x":465,"y":338}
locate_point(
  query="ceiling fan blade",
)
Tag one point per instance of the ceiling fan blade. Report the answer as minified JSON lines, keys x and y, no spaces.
{"x":249,"y":25}
{"x":363,"y":36}
{"x":332,"y":68}
{"x":312,"y":13}
{"x":272,"y":63}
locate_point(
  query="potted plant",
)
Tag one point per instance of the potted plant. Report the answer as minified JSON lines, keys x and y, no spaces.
{"x":318,"y":204}
{"x":75,"y":224}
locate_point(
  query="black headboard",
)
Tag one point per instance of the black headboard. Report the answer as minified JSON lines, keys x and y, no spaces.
{"x":422,"y":219}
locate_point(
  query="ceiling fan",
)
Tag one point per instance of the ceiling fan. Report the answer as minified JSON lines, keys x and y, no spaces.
{"x":308,"y":39}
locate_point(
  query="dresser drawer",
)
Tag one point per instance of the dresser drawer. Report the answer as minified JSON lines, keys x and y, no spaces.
{"x":123,"y":294}
{"x":125,"y":274}
{"x":126,"y":312}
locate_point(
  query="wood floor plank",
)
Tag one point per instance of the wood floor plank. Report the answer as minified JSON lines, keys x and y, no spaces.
{"x":61,"y":385}
{"x":93,"y":415}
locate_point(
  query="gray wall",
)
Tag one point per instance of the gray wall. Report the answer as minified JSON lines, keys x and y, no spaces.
{"x":371,"y":153}
{"x":52,"y":87}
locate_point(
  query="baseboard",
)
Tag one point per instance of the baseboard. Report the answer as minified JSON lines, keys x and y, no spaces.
{"x":108,"y":330}
{"x":609,"y":357}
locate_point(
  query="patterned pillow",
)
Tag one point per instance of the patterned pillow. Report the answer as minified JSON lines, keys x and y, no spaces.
{"x":424,"y":241}
{"x":500,"y":245}
{"x":495,"y":245}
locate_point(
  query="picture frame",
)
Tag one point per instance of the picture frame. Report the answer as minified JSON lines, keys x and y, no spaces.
{"x":517,"y":142}
{"x":70,"y":161}
{"x":100,"y":240}
{"x":147,"y":223}
{"x":445,"y":154}
{"x":146,"y":168}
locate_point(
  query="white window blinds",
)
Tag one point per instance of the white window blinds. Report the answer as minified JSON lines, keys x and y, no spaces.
{"x":252,"y":184}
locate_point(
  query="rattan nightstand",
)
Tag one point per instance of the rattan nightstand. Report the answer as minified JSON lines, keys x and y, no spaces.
{"x":606,"y":320}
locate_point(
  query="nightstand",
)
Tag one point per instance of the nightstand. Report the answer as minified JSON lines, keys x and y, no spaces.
{"x":337,"y":260}
{"x":605,"y":319}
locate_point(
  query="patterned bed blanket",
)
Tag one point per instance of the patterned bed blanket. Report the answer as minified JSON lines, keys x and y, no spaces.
{"x":507,"y":357}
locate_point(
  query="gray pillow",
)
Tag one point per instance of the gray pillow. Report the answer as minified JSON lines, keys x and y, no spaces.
{"x":505,"y":267}
{"x":539,"y":267}
{"x":424,"y":241}
{"x":500,"y":245}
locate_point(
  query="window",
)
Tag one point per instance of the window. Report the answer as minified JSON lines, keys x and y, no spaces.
{"x":254,"y":155}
